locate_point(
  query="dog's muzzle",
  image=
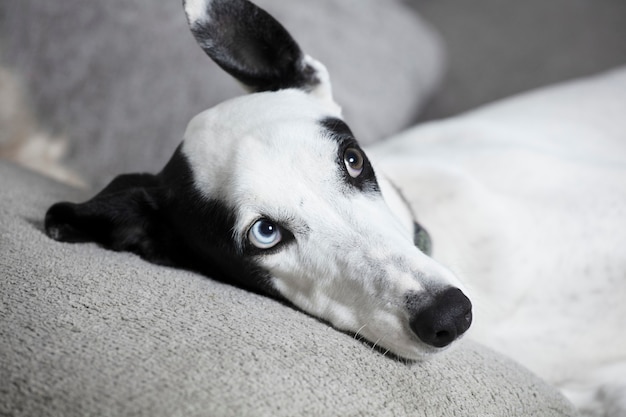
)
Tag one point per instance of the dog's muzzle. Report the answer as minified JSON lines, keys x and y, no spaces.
{"x":441,"y":318}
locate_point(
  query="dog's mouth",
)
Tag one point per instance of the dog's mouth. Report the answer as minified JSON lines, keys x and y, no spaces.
{"x":432,"y":326}
{"x":382,"y":288}
{"x":402,"y":313}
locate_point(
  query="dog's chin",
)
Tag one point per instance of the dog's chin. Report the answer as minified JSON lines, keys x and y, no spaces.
{"x":419,"y":353}
{"x":412,"y":352}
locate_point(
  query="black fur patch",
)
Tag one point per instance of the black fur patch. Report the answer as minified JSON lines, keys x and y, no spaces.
{"x":164,"y":219}
{"x":339,"y":131}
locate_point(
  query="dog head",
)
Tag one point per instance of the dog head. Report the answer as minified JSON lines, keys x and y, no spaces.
{"x":271,"y":192}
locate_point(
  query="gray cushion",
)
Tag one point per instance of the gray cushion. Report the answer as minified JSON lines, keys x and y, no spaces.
{"x":122,"y":78}
{"x":85,"y":331}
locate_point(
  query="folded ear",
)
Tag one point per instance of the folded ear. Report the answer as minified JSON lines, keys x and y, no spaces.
{"x":125,"y":216}
{"x":253,"y":47}
{"x":421,"y":238}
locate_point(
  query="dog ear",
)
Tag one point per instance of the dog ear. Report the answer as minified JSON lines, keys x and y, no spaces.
{"x":421,"y":239}
{"x":124,"y":216}
{"x":253,"y":47}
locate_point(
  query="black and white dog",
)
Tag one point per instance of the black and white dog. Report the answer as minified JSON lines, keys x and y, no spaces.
{"x":271,"y":192}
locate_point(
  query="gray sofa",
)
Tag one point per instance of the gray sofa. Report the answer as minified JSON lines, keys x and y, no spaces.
{"x":85,"y":331}
{"x":121,"y":79}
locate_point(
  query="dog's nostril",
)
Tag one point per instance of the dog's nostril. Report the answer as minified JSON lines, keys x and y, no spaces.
{"x":447,"y":316}
{"x":442,"y":335}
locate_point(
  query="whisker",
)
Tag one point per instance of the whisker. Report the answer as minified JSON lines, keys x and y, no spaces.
{"x":357,"y":333}
{"x":376,"y":342}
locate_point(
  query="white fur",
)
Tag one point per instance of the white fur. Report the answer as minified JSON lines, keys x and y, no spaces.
{"x":354,"y":261}
{"x":323,"y":91}
{"x":196,"y":11}
{"x":526,"y":200}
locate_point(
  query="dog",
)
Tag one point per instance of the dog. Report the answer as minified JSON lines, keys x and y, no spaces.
{"x":271,"y":192}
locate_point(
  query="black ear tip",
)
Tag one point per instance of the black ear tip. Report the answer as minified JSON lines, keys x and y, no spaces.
{"x":250,"y":44}
{"x":58,"y":222}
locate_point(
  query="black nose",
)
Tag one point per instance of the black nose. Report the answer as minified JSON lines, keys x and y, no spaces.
{"x":447,"y":316}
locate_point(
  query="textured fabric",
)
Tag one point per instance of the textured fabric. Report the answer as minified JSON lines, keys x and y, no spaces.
{"x":85,"y":331}
{"x":122,"y":78}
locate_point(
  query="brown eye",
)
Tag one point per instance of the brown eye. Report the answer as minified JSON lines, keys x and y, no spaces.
{"x":353,"y":158}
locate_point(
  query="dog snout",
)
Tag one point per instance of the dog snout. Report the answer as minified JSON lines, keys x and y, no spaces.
{"x":446,"y":316}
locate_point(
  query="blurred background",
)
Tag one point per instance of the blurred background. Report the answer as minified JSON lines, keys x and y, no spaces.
{"x":496,"y":48}
{"x":91,"y":89}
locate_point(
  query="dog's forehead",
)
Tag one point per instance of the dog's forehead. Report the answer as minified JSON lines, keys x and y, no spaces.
{"x":260,"y":136}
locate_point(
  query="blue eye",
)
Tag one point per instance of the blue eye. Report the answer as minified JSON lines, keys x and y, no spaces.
{"x":264,"y":234}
